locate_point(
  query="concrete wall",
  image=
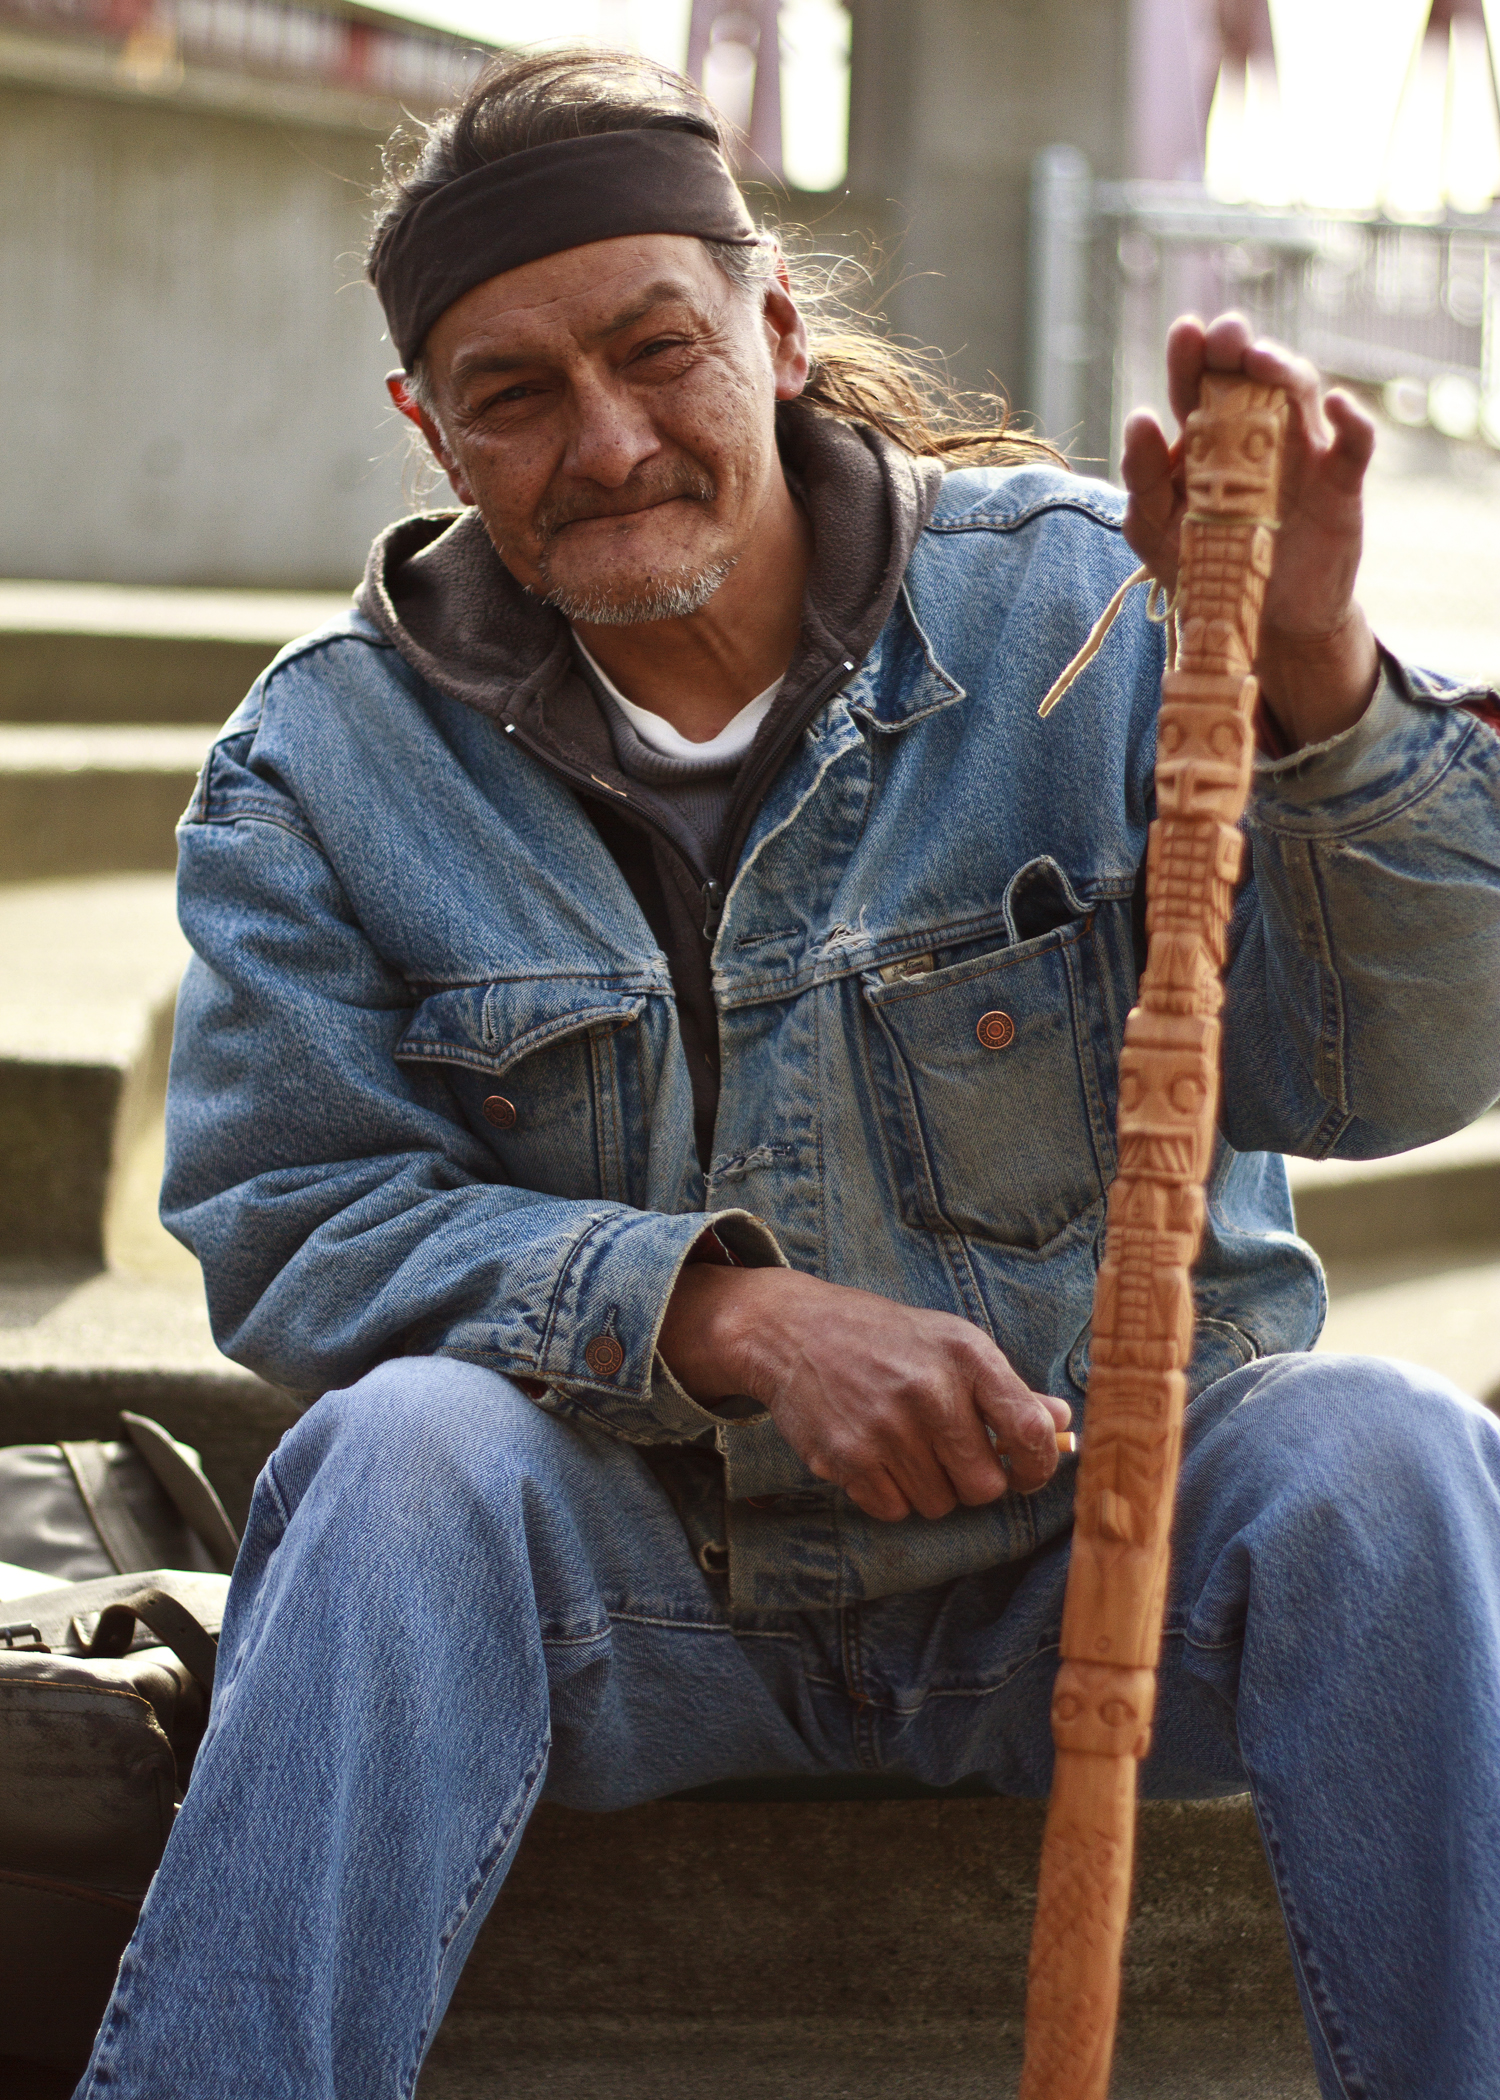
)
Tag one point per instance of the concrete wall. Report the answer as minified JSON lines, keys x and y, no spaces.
{"x":951,"y":101}
{"x":191,"y":365}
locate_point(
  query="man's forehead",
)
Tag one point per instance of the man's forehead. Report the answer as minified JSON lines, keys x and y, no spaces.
{"x":582,"y":293}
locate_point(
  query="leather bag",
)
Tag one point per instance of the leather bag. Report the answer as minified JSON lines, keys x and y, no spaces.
{"x":81,"y":1510}
{"x":104,"y":1695}
{"x":104,"y":1692}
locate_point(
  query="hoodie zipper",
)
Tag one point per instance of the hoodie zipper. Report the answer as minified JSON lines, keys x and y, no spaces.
{"x":751,"y":788}
{"x":747,"y":798}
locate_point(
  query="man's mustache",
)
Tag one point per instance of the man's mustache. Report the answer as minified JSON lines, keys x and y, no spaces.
{"x":661,"y":486}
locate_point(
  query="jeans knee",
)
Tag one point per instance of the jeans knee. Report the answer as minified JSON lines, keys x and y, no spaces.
{"x":1379,"y":1426}
{"x":419,"y":1443}
{"x":1365,"y":1469}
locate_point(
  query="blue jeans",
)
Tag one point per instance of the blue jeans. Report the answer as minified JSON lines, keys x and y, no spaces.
{"x":450,"y":1603}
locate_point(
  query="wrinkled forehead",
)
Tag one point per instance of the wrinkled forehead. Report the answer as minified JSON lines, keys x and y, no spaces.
{"x":573,"y":302}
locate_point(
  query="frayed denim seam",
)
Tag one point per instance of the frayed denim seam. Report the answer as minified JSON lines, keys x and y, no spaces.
{"x":1314,"y":1991}
{"x":564,"y":1267}
{"x":670,"y":1625}
{"x":1190,"y":1639}
{"x":1371,"y":820}
{"x":526,"y":1794}
{"x":1332,"y":1075}
{"x":252,"y":812}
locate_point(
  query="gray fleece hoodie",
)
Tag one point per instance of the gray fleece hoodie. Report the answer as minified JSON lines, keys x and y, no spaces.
{"x":438,"y":591}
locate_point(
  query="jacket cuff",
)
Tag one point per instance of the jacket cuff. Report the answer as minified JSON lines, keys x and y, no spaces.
{"x":1401,"y":745}
{"x":599,"y":1350}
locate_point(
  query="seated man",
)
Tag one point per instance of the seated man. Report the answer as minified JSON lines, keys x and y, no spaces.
{"x":650,"y":1064}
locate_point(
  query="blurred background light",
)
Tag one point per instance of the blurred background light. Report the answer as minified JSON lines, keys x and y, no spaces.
{"x":1358,"y":104}
{"x":815,"y":41}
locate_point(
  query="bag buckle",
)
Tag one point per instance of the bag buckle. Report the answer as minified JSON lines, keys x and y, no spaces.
{"x":35,"y":1646}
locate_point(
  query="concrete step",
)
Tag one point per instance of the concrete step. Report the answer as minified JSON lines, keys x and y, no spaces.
{"x":99,"y":1307}
{"x":87,"y":652}
{"x":91,"y":969}
{"x":85,"y":799}
{"x":843,"y":2054}
{"x":1440,"y":1309}
{"x":1411,"y":1246}
{"x":76,"y":1346}
{"x":1441,"y":1195}
{"x":869,"y":1950}
{"x":853,"y":1948}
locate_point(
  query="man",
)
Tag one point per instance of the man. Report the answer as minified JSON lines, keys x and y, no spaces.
{"x":650,"y":1062}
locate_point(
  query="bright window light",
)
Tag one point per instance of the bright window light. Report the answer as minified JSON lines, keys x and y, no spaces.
{"x":1343,"y":65}
{"x":815,"y":38}
{"x":815,"y":93}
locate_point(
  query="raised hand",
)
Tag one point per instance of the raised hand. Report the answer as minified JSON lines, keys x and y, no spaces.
{"x":889,"y":1402}
{"x":1318,"y":664}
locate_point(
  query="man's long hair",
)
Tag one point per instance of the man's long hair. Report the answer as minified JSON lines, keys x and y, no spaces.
{"x":858,"y":374}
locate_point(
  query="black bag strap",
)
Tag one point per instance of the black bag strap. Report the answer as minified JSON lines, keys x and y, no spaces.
{"x":109,"y":1512}
{"x":169,"y":1619}
{"x":188,"y":1487}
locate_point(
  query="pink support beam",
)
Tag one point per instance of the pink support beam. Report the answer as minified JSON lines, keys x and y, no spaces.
{"x":1176,"y":50}
{"x":734,"y":53}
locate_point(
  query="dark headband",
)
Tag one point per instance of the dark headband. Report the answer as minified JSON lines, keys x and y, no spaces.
{"x":543,"y":200}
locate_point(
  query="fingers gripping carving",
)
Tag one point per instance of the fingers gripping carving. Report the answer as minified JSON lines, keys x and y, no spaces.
{"x":1143,"y":1306}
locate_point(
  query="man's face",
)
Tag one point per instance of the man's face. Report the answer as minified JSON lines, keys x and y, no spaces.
{"x":610,"y":411}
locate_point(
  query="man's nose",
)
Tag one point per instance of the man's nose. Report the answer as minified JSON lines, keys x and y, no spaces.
{"x":612,"y":433}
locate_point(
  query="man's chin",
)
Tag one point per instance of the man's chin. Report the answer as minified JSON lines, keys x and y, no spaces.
{"x":635,"y":601}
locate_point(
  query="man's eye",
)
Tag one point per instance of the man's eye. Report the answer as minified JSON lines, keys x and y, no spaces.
{"x":659,"y":344}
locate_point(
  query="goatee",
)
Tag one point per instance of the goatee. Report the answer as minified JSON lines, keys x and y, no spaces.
{"x":671,"y":597}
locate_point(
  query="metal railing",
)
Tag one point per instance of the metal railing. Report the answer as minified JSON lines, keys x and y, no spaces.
{"x":1408,"y":306}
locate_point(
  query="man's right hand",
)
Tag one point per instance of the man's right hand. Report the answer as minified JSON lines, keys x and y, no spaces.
{"x":889,"y":1402}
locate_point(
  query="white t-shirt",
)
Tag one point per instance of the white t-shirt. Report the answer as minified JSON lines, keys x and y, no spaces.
{"x":732,"y":741}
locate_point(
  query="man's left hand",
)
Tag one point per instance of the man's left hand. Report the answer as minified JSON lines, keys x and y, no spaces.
{"x":1318,"y":665}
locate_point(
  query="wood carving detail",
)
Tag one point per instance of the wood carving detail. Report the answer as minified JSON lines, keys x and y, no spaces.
{"x":1143,"y":1305}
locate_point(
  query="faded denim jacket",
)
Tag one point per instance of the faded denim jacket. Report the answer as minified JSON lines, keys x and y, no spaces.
{"x":399,"y":914}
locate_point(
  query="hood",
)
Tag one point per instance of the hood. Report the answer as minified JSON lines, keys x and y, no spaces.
{"x":440,"y":594}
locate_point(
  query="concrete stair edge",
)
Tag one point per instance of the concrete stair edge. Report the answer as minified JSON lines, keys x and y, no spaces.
{"x":78,"y":799}
{"x":1446,"y":1194}
{"x":842,"y":2054}
{"x":735,"y":1907}
{"x":93,"y":967}
{"x":135,"y":653}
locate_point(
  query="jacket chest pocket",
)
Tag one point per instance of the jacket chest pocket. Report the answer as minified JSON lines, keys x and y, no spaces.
{"x":535,"y":1070}
{"x":988,"y":1092}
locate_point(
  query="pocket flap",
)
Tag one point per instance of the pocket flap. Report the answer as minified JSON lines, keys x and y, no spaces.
{"x":490,"y":1027}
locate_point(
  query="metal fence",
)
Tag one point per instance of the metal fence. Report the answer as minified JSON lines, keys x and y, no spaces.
{"x":1411,"y":307}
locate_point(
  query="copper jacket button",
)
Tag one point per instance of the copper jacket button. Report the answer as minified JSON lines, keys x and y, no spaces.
{"x":604,"y":1356}
{"x":996,"y":1030}
{"x":500,"y":1112}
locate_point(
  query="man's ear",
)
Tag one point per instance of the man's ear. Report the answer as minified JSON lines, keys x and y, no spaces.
{"x":437,"y":444}
{"x":787,"y":334}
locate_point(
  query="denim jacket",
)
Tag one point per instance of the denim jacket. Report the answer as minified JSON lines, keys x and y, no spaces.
{"x":400,"y":916}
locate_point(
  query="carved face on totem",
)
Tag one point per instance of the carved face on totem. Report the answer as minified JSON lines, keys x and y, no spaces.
{"x":1231,"y":458}
{"x":1166,"y":1113}
{"x":1202,"y":762}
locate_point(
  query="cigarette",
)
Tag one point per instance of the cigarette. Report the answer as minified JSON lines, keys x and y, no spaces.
{"x":1068,"y":1441}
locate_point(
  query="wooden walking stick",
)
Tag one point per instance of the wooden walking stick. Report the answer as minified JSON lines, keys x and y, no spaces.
{"x":1143,"y":1305}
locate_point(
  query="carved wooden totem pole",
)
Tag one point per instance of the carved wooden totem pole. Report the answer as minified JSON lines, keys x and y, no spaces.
{"x":1143,"y":1306}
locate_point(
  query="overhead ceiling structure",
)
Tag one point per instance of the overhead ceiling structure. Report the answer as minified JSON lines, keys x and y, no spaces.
{"x":319,"y":60}
{"x":1348,"y":104}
